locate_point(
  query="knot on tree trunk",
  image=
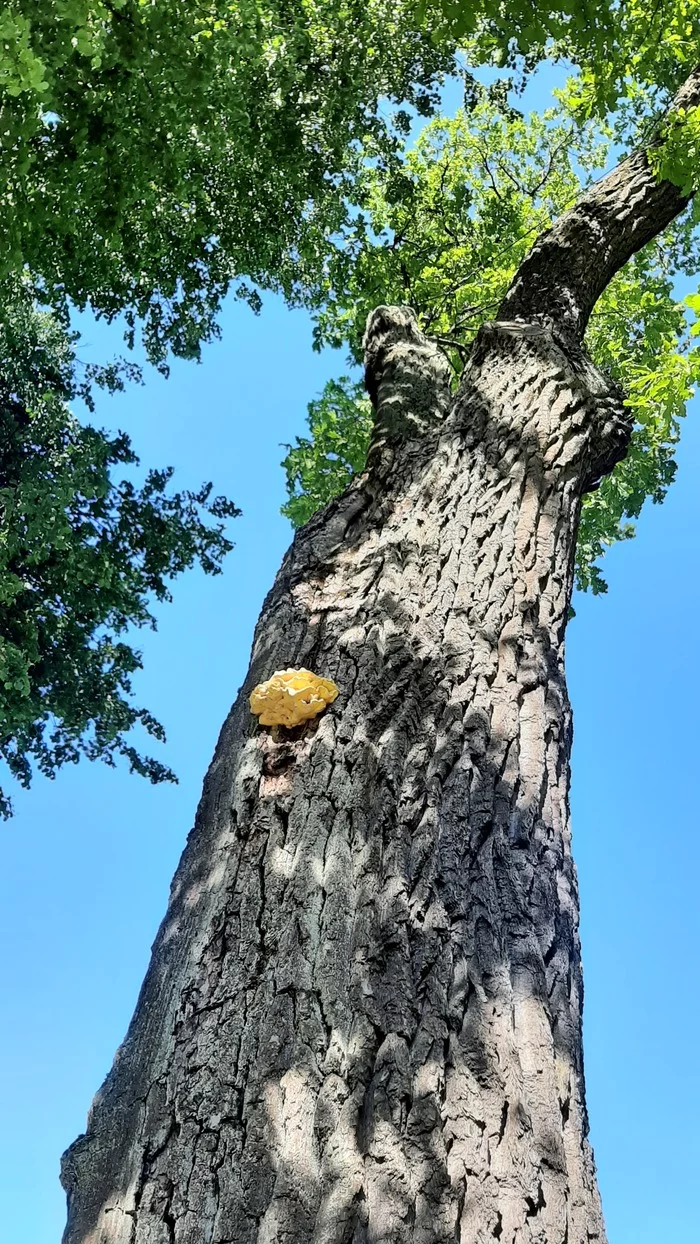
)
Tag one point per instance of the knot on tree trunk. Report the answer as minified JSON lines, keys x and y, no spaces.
{"x":570,"y":413}
{"x":406,"y":375}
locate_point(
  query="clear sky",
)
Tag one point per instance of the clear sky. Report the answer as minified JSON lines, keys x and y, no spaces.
{"x":88,"y":858}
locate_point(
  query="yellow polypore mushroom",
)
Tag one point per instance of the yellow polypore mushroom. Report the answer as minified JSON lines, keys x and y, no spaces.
{"x":291,"y":697}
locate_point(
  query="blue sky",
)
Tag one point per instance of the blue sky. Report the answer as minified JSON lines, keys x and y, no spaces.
{"x":88,"y":858}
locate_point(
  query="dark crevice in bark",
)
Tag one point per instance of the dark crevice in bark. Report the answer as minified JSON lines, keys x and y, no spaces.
{"x":168,"y":1217}
{"x":504,"y":1120}
{"x":534,"y":1207}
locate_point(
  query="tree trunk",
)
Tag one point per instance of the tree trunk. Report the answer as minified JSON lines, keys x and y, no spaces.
{"x":362,"y":1019}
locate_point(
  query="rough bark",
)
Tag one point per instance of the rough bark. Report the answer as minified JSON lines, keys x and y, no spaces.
{"x":362,"y":1019}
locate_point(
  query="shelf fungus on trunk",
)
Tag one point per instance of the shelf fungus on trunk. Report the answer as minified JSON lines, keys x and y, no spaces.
{"x":291,"y":697}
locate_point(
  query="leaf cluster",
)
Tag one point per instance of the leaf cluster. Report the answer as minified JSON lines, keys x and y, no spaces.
{"x":616,"y":46}
{"x":155,"y":152}
{"x":84,"y":551}
{"x":320,"y":466}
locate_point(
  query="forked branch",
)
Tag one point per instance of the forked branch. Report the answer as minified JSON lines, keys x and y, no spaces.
{"x":572,"y":263}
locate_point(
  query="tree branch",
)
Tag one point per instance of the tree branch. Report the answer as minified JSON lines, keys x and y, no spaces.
{"x":572,"y":263}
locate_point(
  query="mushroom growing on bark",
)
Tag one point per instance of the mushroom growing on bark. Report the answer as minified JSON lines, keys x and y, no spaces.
{"x":291,"y":697}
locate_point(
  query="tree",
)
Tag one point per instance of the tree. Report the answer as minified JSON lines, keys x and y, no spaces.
{"x":362,"y":1018}
{"x":83,"y":552}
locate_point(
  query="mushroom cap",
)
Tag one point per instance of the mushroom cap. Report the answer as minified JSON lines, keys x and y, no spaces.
{"x":291,"y":697}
